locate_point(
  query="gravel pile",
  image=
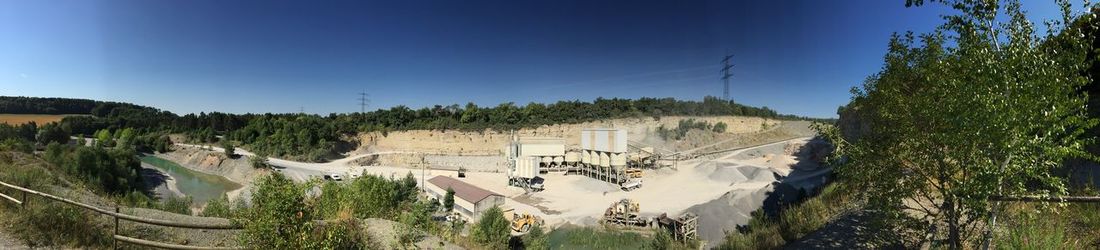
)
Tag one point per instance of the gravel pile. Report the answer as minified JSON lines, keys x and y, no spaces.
{"x":725,"y":213}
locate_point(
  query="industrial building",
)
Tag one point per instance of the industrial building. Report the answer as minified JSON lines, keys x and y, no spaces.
{"x":531,"y":156}
{"x":604,"y":157}
{"x":470,"y":200}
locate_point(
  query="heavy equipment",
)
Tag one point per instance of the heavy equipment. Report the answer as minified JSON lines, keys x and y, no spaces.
{"x":625,"y":213}
{"x":523,"y":222}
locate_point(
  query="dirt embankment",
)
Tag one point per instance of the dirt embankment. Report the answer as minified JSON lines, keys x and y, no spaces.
{"x":488,"y":142}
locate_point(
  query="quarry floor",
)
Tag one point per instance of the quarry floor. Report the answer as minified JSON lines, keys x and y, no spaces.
{"x":722,"y":189}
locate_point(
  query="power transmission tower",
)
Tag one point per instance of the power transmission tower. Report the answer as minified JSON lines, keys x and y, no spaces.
{"x":363,"y":102}
{"x":726,"y":75}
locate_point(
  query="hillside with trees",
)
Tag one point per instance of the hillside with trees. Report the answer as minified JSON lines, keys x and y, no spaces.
{"x":315,"y":137}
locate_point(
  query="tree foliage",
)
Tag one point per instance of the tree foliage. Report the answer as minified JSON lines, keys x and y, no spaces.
{"x":981,"y":107}
{"x":492,"y":229}
{"x":116,"y":171}
{"x":449,"y":200}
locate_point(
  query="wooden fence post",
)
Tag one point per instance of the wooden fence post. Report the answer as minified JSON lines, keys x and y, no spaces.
{"x":115,"y":242}
{"x":24,"y":200}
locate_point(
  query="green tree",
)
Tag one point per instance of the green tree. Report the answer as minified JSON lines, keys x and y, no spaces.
{"x":492,"y":230}
{"x":966,"y":116}
{"x":230,"y":151}
{"x":103,"y":138}
{"x":126,"y":137}
{"x":52,"y":132}
{"x":163,"y":143}
{"x":449,"y":200}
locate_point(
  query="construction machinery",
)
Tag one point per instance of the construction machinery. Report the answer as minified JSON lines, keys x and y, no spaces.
{"x":522,"y":223}
{"x":625,"y":213}
{"x":683,"y":229}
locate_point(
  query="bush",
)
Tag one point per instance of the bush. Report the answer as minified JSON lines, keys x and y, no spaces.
{"x":219,"y":207}
{"x":280,"y":218}
{"x":720,"y":127}
{"x":536,"y":239}
{"x":492,"y":230}
{"x":230,"y":151}
{"x":137,"y":199}
{"x":179,"y":205}
{"x":17,"y":145}
{"x":258,"y":161}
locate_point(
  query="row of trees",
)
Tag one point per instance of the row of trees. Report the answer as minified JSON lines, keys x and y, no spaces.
{"x":312,"y":137}
{"x":686,"y":125}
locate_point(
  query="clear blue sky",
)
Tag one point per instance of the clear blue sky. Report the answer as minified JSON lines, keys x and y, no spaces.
{"x":797,"y":57}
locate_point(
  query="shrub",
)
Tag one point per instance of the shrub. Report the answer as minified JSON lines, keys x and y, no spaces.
{"x":720,"y":127}
{"x":17,"y":145}
{"x":278,"y":218}
{"x":137,"y":199}
{"x":536,"y":239}
{"x":219,"y":207}
{"x":492,"y":230}
{"x":179,"y":205}
{"x":230,"y":151}
{"x":258,"y":161}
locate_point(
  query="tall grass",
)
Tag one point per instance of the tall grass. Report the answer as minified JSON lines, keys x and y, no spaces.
{"x":1031,"y":226}
{"x":582,"y":238}
{"x":43,"y":222}
{"x":793,"y":222}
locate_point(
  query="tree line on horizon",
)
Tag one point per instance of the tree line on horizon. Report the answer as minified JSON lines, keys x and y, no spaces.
{"x":315,"y":137}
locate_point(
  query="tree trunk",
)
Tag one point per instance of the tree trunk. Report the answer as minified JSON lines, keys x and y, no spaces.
{"x":953,"y":235}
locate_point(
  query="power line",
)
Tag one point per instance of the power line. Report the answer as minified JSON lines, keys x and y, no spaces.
{"x":363,"y":102}
{"x":726,"y":75}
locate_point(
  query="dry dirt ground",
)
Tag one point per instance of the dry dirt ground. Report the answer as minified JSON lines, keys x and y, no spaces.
{"x":17,"y":119}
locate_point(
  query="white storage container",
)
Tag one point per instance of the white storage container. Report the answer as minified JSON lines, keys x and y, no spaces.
{"x":526,"y":167}
{"x":604,"y":139}
{"x":572,"y":157}
{"x":618,"y":159}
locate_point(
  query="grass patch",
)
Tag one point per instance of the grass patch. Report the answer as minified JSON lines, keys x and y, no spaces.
{"x":794,"y":222}
{"x":1031,"y":226}
{"x":585,"y":238}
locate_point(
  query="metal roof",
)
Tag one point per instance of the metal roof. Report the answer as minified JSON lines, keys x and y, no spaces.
{"x":463,"y":190}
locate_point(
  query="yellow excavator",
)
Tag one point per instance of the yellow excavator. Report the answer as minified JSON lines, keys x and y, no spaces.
{"x":523,"y":222}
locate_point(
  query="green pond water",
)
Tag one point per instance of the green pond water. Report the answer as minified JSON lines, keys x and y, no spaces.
{"x":201,"y":187}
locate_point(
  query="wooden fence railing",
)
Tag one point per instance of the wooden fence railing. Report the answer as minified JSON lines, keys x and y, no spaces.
{"x":117,"y":215}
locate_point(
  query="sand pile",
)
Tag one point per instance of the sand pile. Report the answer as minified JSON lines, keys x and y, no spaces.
{"x":734,"y":173}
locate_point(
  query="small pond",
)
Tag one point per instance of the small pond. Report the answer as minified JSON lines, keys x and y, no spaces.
{"x":202,"y":187}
